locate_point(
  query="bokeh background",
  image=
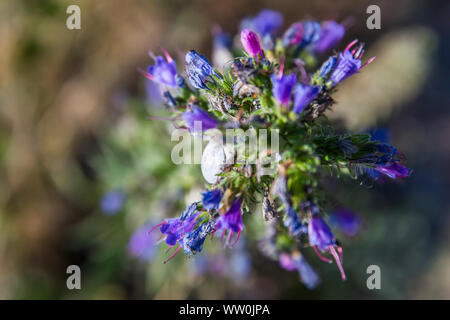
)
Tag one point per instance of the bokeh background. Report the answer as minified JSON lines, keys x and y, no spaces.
{"x":81,"y":169}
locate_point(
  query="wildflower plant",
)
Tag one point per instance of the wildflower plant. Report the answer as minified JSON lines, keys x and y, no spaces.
{"x":279,"y":82}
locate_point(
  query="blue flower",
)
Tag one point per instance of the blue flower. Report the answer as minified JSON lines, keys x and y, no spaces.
{"x":293,"y":35}
{"x":321,"y":238}
{"x":345,"y":221}
{"x":311,"y":33}
{"x":164,"y":71}
{"x":282,"y":88}
{"x":112,"y":202}
{"x":193,"y":240}
{"x":331,"y":33}
{"x":327,"y":66}
{"x":203,"y":119}
{"x":266,"y":22}
{"x":348,"y":63}
{"x":231,"y":221}
{"x":198,"y":69}
{"x":293,"y":223}
{"x":211,"y":199}
{"x":303,"y":95}
{"x":393,"y":170}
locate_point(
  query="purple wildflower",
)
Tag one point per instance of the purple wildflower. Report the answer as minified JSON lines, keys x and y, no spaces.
{"x":266,"y":22}
{"x":175,"y":228}
{"x":282,"y":88}
{"x":393,"y":170}
{"x":211,"y":199}
{"x":321,"y":238}
{"x":293,"y":222}
{"x":327,"y":66}
{"x":348,"y":63}
{"x":202,"y":118}
{"x":193,"y":240}
{"x":293,"y":35}
{"x":345,"y":221}
{"x":251,"y":44}
{"x":303,"y":95}
{"x":311,"y":33}
{"x":331,"y":33}
{"x":112,"y":202}
{"x":164,"y":71}
{"x":231,"y":221}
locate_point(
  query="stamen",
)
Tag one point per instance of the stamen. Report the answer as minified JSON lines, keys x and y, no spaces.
{"x":158,"y":225}
{"x":360,"y":51}
{"x":167,"y":55}
{"x":341,"y":253}
{"x":368,"y":62}
{"x":173,"y":254}
{"x":145,"y":74}
{"x":223,"y":235}
{"x":237,"y":238}
{"x":230,"y":235}
{"x":338,"y":262}
{"x":351,"y":44}
{"x":321,"y":256}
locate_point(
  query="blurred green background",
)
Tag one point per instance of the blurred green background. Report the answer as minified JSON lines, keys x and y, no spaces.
{"x":73,"y":129}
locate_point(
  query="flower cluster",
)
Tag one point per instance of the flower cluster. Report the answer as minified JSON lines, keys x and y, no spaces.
{"x":274,"y":83}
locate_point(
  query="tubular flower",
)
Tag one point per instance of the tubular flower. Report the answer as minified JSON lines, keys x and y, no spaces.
{"x":198,"y":69}
{"x":321,"y":238}
{"x":231,"y":221}
{"x":211,"y":199}
{"x":303,"y":95}
{"x":164,"y":71}
{"x":311,"y":33}
{"x":330,"y":34}
{"x":345,"y":221}
{"x":393,"y":170}
{"x":282,"y":88}
{"x":251,"y":44}
{"x":293,"y":35}
{"x":348,"y":63}
{"x":199,"y":120}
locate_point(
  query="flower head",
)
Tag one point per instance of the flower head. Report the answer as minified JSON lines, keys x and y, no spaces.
{"x":330,"y":34}
{"x":293,"y":35}
{"x":211,"y":199}
{"x":348,"y":63}
{"x":164,"y":71}
{"x":251,"y":44}
{"x":303,"y":95}
{"x":282,"y":88}
{"x":203,"y":119}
